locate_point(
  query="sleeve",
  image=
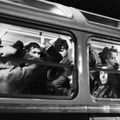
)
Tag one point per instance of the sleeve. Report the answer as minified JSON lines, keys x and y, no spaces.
{"x":22,"y":74}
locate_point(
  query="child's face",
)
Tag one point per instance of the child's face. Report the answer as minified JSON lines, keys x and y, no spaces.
{"x":103,"y":77}
{"x":35,"y":52}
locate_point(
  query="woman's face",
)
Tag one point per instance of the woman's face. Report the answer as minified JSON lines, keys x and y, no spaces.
{"x":103,"y":77}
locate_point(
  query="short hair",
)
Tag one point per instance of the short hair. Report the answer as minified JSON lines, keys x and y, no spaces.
{"x":59,"y":43}
{"x":32,"y":45}
{"x":105,"y":54}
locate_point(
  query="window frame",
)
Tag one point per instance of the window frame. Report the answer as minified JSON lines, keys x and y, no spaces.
{"x":52,"y":29}
{"x":105,"y":40}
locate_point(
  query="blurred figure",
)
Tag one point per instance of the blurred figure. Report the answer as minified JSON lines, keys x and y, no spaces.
{"x":94,"y":58}
{"x":17,"y":79}
{"x":7,"y":65}
{"x":17,"y":50}
{"x":56,"y":57}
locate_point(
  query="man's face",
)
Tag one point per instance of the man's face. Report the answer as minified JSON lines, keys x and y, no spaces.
{"x":34,"y":52}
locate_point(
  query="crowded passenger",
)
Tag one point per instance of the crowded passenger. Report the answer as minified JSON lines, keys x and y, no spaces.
{"x":26,"y":71}
{"x":58,"y":81}
{"x":16,"y":79}
{"x":37,"y":84}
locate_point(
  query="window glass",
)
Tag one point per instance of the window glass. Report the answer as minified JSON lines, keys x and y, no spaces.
{"x":101,"y":19}
{"x":35,"y":62}
{"x":104,"y":68}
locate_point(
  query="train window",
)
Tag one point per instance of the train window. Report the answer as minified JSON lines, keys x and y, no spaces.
{"x":35,"y":62}
{"x":104,"y":68}
{"x":93,"y":18}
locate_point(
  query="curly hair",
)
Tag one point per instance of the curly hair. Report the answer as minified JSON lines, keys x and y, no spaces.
{"x":33,"y":45}
{"x":59,"y":43}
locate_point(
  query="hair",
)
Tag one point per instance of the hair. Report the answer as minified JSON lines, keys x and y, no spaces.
{"x":20,"y":48}
{"x":18,"y":45}
{"x":59,"y":43}
{"x":32,"y":45}
{"x":97,"y":75}
{"x":105,"y":54}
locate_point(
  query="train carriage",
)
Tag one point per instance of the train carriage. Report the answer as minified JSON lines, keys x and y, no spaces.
{"x":70,"y":85}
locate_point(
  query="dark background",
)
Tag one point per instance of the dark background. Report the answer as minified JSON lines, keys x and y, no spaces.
{"x":110,"y":8}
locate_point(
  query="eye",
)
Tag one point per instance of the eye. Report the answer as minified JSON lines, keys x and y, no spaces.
{"x":34,"y":52}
